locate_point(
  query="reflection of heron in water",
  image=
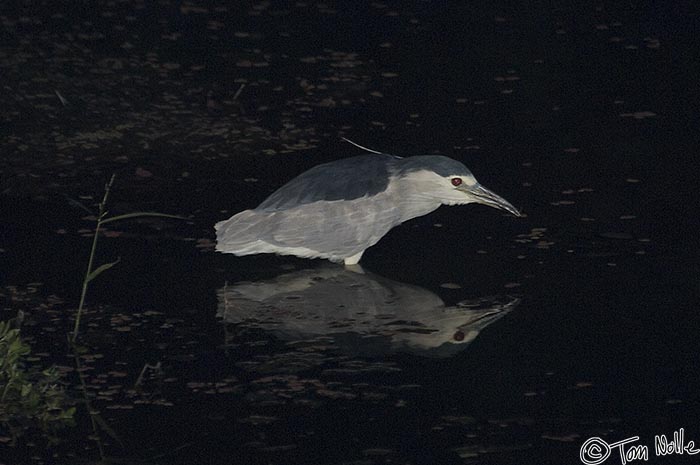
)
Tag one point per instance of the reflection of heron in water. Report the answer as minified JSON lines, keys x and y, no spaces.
{"x":362,"y":312}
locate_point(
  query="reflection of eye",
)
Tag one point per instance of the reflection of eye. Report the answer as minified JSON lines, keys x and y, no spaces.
{"x":458,"y":336}
{"x":456,"y":181}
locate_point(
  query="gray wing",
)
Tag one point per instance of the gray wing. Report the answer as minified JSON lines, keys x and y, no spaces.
{"x":336,"y":228}
{"x":346,"y":179}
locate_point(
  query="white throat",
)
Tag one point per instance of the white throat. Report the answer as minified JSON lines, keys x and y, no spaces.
{"x":414,"y":194}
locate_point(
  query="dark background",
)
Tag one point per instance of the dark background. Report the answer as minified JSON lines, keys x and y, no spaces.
{"x":582,"y":114}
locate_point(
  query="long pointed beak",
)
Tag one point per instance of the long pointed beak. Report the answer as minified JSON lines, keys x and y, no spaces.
{"x":487,"y":197}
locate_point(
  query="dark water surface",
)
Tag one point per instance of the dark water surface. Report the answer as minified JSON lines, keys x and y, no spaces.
{"x":471,"y":336}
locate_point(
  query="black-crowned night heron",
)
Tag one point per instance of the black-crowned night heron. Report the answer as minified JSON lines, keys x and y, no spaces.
{"x":338,"y":210}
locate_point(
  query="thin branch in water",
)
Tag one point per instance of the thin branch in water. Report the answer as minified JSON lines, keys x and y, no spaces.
{"x":78,"y":204}
{"x":64,"y":102}
{"x":238,"y":92}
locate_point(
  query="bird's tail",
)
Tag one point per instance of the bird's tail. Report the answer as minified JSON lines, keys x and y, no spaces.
{"x":242,"y":233}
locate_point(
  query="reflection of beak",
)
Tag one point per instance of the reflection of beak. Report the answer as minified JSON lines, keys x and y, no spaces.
{"x":489,"y":198}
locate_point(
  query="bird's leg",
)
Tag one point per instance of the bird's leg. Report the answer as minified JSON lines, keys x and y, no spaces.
{"x":354,"y":260}
{"x":355,"y":269}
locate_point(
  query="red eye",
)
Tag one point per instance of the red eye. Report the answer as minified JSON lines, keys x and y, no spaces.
{"x":456,"y":181}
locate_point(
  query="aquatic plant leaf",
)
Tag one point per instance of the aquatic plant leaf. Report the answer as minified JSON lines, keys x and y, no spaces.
{"x":141,"y":214}
{"x":97,"y":271}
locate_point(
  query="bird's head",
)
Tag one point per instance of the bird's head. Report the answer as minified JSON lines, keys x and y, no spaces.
{"x":449,"y":182}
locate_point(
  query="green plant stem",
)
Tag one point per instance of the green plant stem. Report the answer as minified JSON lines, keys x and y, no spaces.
{"x":86,"y":399}
{"x":91,"y":260}
{"x":91,"y":273}
{"x":85,"y":282}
